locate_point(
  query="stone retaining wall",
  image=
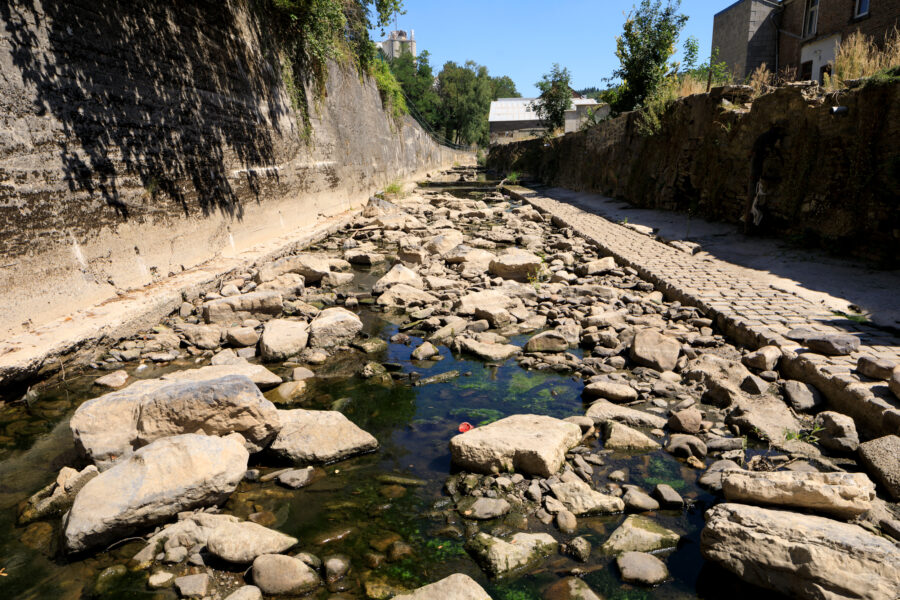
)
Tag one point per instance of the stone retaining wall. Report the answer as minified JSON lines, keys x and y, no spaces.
{"x":141,"y":139}
{"x":826,"y":179}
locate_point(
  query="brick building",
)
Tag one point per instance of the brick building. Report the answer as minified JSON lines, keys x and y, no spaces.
{"x":796,"y":37}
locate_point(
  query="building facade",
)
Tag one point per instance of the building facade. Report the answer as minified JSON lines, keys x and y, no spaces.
{"x":398,"y":43}
{"x":514,"y":119}
{"x":796,"y":38}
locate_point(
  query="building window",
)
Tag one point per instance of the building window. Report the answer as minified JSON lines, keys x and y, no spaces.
{"x":862,"y":8}
{"x":812,"y":18}
{"x":806,"y":71}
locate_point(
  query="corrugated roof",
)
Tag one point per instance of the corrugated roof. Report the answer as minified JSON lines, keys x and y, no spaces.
{"x":518,"y":109}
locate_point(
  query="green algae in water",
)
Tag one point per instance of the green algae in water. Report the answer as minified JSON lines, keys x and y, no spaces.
{"x":663,"y":470}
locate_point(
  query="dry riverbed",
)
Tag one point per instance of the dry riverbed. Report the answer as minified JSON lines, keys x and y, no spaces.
{"x":450,"y":398}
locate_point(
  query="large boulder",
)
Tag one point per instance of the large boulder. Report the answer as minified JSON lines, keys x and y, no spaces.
{"x":158,"y":481}
{"x":402,"y":294}
{"x":527,"y":444}
{"x":500,"y":557}
{"x":279,"y":575}
{"x":578,"y":497}
{"x":333,"y":327}
{"x":398,"y":274}
{"x":258,"y":374}
{"x":641,"y":568}
{"x":609,"y":390}
{"x":801,"y":556}
{"x":547,"y":341}
{"x":622,"y":437}
{"x":488,"y":351}
{"x":487,"y":299}
{"x":454,"y":587}
{"x":444,"y":242}
{"x":640,"y":534}
{"x":242,"y":542}
{"x":282,"y":339}
{"x":651,"y":348}
{"x":320,"y":436}
{"x":844,"y":495}
{"x":516,"y":264}
{"x":234,"y":309}
{"x":721,"y":377}
{"x":110,"y":427}
{"x":603,"y":410}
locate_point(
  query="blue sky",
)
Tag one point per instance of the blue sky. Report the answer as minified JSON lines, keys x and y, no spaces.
{"x":523,"y":38}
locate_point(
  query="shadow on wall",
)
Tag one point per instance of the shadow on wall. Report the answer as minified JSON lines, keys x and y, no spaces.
{"x":168,"y":92}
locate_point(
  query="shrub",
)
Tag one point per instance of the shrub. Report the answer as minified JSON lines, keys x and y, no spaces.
{"x":761,"y":79}
{"x":512,"y":177}
{"x":858,"y":56}
{"x":390,"y":90}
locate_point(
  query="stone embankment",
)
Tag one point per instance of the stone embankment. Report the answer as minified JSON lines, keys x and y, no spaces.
{"x":801,"y":517}
{"x":720,"y":156}
{"x":159,"y":138}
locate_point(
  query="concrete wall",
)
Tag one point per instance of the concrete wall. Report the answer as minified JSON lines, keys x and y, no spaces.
{"x":141,"y":139}
{"x":829,"y":180}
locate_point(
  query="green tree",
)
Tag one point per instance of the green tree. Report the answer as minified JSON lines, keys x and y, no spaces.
{"x":504,"y":87}
{"x":691,"y":52}
{"x":417,"y":80}
{"x":555,"y":98}
{"x":465,"y":94}
{"x":648,"y":40}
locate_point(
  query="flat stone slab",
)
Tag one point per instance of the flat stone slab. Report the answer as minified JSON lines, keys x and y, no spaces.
{"x":320,"y":436}
{"x":801,"y":556}
{"x":258,"y":374}
{"x":502,"y":557}
{"x":158,"y":481}
{"x":641,"y":568}
{"x":845,"y":495}
{"x":603,"y":410}
{"x":527,"y":444}
{"x":580,"y":499}
{"x":454,"y":587}
{"x":640,"y":534}
{"x":242,"y":542}
{"x":492,"y":352}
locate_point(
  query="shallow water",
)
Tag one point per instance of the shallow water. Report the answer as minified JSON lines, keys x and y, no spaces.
{"x":357,"y":503}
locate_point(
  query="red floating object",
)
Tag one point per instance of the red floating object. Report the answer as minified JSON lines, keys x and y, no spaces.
{"x":465,"y":426}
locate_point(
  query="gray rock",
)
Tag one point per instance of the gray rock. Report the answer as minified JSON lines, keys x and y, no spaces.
{"x":110,"y":427}
{"x":596,"y":267}
{"x":500,"y":557}
{"x":516,"y":264}
{"x":622,"y":437}
{"x":845,"y":495}
{"x":607,"y":390}
{"x":721,"y":377}
{"x":566,"y":521}
{"x":276,"y":574}
{"x":755,"y":385}
{"x":712,"y":477}
{"x":205,"y":337}
{"x":235,"y":309}
{"x":336,"y":567}
{"x":578,"y":497}
{"x":640,"y":534}
{"x":638,"y":501}
{"x":241,"y":336}
{"x":320,"y":436}
{"x":547,"y":341}
{"x":571,"y":588}
{"x":247,"y":592}
{"x":193,"y":586}
{"x":489,"y":351}
{"x":158,"y":481}
{"x":667,"y":496}
{"x":297,"y":478}
{"x":652,"y":349}
{"x":282,"y":339}
{"x":454,"y":587}
{"x":398,"y":274}
{"x":333,"y":327}
{"x":160,"y":580}
{"x":113,"y":380}
{"x":764,"y":359}
{"x":425,"y":351}
{"x":486,"y":508}
{"x":894,"y":382}
{"x":258,"y":374}
{"x":875,"y":368}
{"x":881,"y":458}
{"x":801,"y":556}
{"x":242,"y":542}
{"x":57,"y":497}
{"x":802,"y":396}
{"x":444,"y":242}
{"x":685,"y":446}
{"x":836,"y":344}
{"x":579,"y":549}
{"x":688,"y":420}
{"x":641,"y":568}
{"x":603,"y":410}
{"x":526,"y":444}
{"x":402,"y":295}
{"x":838,"y":432}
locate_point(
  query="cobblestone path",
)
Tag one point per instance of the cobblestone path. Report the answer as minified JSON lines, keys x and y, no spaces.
{"x":748,"y":309}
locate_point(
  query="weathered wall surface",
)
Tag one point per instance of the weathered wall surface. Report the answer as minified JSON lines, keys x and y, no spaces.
{"x":827,"y":179}
{"x":140,"y":139}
